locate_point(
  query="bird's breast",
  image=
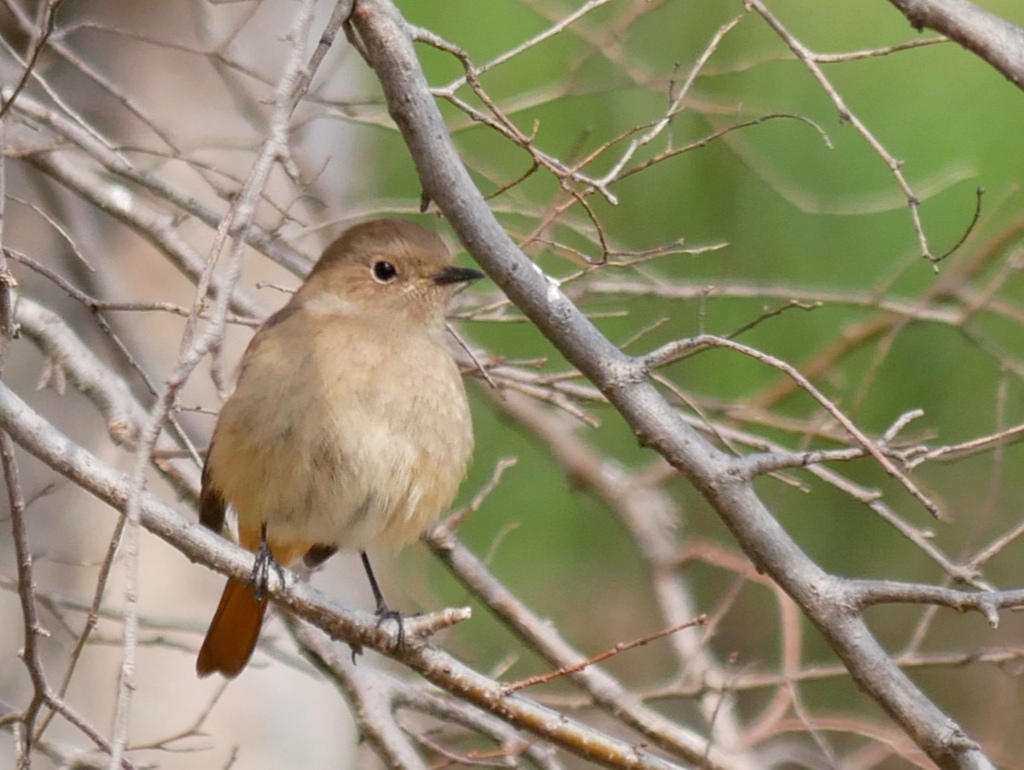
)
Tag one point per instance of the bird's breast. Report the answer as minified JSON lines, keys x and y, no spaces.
{"x":362,"y":445}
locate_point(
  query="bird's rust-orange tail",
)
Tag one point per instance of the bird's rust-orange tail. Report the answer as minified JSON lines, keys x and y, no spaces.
{"x":233,"y":631}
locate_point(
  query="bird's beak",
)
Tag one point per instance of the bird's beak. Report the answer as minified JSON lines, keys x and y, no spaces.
{"x":454,"y":274}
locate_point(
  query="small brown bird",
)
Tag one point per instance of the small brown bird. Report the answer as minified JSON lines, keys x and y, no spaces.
{"x":348,"y":426}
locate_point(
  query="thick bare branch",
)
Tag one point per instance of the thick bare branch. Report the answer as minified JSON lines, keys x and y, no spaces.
{"x":357,"y":629}
{"x":388,"y":47}
{"x":993,"y":38}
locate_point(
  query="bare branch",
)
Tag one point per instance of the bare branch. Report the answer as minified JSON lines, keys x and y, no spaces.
{"x":357,"y":629}
{"x":389,"y":50}
{"x":994,"y":39}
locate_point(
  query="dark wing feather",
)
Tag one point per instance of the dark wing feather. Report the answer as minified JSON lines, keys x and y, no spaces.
{"x":212,"y":508}
{"x":318,"y":554}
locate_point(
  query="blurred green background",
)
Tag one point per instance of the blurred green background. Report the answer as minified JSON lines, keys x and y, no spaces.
{"x":803,"y":204}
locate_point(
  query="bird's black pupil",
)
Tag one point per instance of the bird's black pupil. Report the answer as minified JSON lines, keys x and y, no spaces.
{"x":384,"y":271}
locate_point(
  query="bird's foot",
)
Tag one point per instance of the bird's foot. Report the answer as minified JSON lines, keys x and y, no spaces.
{"x":265,"y":561}
{"x":385,"y":613}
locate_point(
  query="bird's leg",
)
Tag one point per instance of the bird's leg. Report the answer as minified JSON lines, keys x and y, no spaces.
{"x":383,"y":612}
{"x":265,"y":561}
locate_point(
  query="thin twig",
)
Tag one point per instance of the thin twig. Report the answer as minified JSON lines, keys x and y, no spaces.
{"x":618,"y":649}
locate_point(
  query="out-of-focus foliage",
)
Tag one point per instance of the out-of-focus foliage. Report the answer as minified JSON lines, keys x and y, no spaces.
{"x":796,"y":206}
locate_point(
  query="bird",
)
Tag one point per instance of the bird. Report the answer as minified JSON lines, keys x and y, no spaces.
{"x":348,"y":426}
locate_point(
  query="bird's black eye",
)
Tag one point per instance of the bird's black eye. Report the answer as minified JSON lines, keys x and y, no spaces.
{"x":384,"y":272}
